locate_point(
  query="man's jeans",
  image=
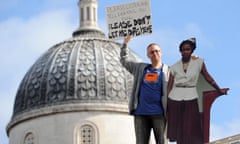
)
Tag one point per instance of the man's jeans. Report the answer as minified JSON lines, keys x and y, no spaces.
{"x":144,"y":124}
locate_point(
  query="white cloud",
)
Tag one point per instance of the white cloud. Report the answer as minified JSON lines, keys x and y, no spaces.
{"x":38,"y":32}
{"x":22,"y":42}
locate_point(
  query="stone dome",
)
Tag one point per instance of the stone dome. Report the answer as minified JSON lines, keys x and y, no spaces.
{"x":82,"y":73}
{"x":83,"y":69}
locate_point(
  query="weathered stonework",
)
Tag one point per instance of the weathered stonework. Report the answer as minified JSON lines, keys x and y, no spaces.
{"x":77,"y":70}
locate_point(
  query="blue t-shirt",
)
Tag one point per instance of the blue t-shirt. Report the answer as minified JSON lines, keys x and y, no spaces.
{"x":150,"y":95}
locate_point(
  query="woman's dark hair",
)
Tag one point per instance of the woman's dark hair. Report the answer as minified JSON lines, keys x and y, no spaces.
{"x":191,"y":42}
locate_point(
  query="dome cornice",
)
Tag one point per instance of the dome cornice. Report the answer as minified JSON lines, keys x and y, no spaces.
{"x":66,"y":108}
{"x":88,"y":33}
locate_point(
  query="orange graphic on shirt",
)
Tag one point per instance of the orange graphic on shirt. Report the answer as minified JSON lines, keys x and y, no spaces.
{"x":151,"y":77}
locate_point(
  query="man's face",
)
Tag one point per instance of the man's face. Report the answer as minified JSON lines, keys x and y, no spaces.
{"x":154,"y":53}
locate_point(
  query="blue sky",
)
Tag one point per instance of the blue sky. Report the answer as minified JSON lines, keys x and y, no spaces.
{"x":28,"y":28}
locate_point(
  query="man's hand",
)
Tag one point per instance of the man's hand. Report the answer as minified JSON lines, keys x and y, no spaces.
{"x":194,"y":57}
{"x":127,"y":39}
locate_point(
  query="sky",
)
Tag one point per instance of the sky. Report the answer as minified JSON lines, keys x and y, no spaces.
{"x":28,"y":28}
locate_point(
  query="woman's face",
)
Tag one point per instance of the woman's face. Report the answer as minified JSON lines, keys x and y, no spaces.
{"x":186,"y":51}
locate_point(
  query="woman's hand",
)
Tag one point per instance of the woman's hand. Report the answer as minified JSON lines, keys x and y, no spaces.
{"x":224,"y":91}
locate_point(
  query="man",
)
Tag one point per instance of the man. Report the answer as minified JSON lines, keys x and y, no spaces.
{"x":148,"y":100}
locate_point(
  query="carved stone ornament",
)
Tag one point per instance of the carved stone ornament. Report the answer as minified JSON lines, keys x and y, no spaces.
{"x":82,"y":69}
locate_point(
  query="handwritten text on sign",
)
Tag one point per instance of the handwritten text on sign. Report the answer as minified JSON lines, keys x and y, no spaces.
{"x":133,"y":18}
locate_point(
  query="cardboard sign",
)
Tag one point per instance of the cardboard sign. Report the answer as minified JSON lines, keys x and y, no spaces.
{"x":133,"y":18}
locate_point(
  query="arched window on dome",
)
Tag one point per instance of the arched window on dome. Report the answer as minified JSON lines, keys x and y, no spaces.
{"x":29,"y":138}
{"x":86,"y":134}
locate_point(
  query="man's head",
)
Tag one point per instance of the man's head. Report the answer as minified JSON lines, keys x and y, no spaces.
{"x":154,"y":52}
